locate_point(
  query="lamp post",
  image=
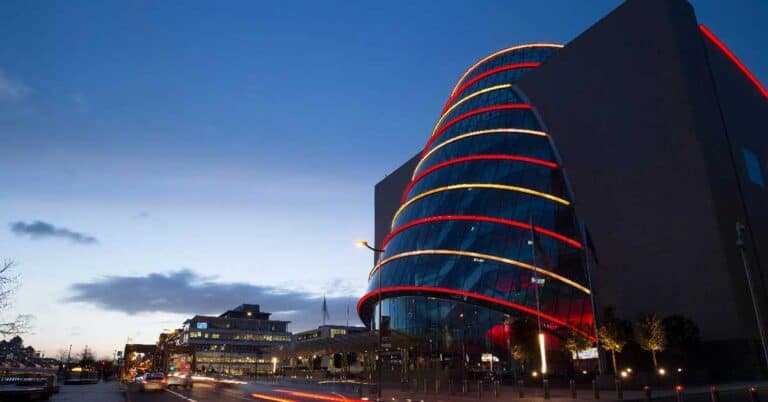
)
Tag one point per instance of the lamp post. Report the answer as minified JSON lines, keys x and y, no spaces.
{"x":377,"y":253}
{"x":741,"y":244}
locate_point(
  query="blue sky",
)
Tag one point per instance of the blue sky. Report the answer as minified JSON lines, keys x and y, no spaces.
{"x":208,"y":146}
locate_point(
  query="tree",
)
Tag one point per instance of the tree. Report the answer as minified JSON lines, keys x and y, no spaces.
{"x":683,"y":338}
{"x":8,"y":286}
{"x":613,"y":338}
{"x":649,"y":334}
{"x":523,"y":346}
{"x":574,"y":343}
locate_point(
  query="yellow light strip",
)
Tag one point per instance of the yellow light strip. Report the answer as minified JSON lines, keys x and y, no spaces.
{"x":466,"y":98}
{"x":472,"y":134}
{"x":478,"y":185}
{"x":543,"y":353}
{"x":483,"y":256}
{"x":502,"y":51}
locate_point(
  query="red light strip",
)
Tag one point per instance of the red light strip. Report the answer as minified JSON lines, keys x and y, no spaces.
{"x":498,"y":53}
{"x":470,"y":295}
{"x":734,"y":59}
{"x":479,"y":218}
{"x":486,"y":74}
{"x":312,"y":395}
{"x":475,"y":158}
{"x":470,"y":114}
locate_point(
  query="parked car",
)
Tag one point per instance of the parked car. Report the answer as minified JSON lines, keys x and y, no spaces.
{"x":183,"y":380}
{"x":153,"y":382}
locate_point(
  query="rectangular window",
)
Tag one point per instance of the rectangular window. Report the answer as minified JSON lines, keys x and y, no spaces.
{"x":754,"y":173}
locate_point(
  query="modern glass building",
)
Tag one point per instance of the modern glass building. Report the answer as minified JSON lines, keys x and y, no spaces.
{"x":661,"y":129}
{"x":485,"y":238}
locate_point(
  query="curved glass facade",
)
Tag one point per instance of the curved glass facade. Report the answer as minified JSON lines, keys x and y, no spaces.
{"x":486,"y":233}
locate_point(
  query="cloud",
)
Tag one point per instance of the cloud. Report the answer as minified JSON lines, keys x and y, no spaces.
{"x":140,"y":215}
{"x":11,"y":88}
{"x":39,"y":230}
{"x":186,"y":292}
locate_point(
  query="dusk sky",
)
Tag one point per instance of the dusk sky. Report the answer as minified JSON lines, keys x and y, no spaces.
{"x":165,"y":159}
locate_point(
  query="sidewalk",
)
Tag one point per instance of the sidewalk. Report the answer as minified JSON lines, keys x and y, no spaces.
{"x":736,"y":392}
{"x":101,"y":392}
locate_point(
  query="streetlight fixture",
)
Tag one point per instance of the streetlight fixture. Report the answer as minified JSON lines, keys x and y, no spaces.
{"x":377,"y":253}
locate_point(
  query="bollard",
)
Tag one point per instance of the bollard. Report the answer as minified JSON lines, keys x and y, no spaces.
{"x":426,"y":386}
{"x":546,"y":389}
{"x":679,"y":393}
{"x":595,"y":389}
{"x":619,"y":390}
{"x":647,"y":391}
{"x":437,"y":385}
{"x":520,"y":389}
{"x":480,"y":389}
{"x":464,"y":387}
{"x":572,"y":384}
{"x":714,"y":394}
{"x":753,"y":394}
{"x":496,"y":388}
{"x":450,"y":387}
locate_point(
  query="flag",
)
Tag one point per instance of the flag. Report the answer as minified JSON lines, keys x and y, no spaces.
{"x":326,"y":316}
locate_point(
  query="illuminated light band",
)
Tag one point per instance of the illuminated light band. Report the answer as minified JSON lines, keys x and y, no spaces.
{"x":472,"y":134}
{"x":271,"y":398}
{"x":734,"y":59}
{"x":312,"y":395}
{"x":459,"y":118}
{"x":502,"y":260}
{"x":478,"y":218}
{"x":478,"y":185}
{"x":487,"y":74}
{"x":469,"y":97}
{"x":502,"y":51}
{"x":481,"y":157}
{"x":471,"y":295}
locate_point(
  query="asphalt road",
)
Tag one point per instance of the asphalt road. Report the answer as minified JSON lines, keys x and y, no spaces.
{"x":237,"y":393}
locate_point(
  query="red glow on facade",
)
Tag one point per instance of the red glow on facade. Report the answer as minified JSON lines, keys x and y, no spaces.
{"x":470,"y":114}
{"x":470,"y":295}
{"x":734,"y":59}
{"x":475,"y":158}
{"x":478,"y":218}
{"x":484,"y":75}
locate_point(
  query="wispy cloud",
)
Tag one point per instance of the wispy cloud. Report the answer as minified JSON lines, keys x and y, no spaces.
{"x":140,"y":215}
{"x":11,"y":88}
{"x":40,"y":230}
{"x":186,"y":292}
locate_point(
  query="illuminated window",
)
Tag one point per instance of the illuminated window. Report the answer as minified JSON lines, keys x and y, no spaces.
{"x":753,"y":167}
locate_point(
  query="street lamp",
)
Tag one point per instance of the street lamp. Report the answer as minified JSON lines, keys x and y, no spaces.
{"x":377,"y":253}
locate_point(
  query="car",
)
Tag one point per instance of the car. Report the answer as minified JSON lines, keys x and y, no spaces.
{"x":153,"y":382}
{"x":179,"y":380}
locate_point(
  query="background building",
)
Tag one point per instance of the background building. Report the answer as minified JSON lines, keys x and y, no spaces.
{"x":233,"y":342}
{"x":661,"y":131}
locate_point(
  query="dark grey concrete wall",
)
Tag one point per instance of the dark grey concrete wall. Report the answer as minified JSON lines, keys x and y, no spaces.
{"x":632,"y":110}
{"x":387,"y":195}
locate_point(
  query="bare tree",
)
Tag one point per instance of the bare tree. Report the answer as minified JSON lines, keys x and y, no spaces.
{"x":62,"y":354}
{"x":8,"y":285}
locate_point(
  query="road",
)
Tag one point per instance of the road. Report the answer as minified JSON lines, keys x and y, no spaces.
{"x":248,"y":392}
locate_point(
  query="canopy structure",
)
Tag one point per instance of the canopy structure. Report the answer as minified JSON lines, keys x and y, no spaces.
{"x":360,"y":342}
